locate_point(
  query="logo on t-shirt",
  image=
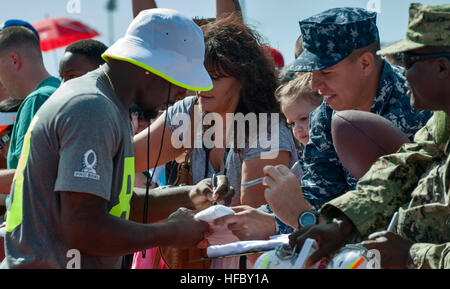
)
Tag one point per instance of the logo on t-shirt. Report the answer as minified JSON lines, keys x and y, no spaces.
{"x":89,"y":164}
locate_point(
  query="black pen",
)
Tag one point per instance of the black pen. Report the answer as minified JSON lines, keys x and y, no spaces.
{"x":214,"y":185}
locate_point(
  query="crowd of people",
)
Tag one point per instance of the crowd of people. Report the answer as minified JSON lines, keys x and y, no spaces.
{"x":116,"y":156}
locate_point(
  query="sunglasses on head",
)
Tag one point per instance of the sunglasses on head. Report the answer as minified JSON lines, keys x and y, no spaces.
{"x":408,"y":60}
{"x":3,"y":141}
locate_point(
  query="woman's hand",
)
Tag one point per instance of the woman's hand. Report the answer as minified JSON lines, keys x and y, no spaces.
{"x":202,"y":194}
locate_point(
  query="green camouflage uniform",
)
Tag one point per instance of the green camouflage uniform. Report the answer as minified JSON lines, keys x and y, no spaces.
{"x":429,"y":25}
{"x":415,"y":180}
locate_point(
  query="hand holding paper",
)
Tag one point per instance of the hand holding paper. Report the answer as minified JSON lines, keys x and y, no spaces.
{"x":218,"y":234}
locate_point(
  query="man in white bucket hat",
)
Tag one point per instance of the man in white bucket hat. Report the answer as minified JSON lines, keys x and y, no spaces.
{"x":72,"y":195}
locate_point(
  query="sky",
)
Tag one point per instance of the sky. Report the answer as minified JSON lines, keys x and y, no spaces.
{"x":275,"y":20}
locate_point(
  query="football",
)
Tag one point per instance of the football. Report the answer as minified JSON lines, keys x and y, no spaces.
{"x":360,"y":138}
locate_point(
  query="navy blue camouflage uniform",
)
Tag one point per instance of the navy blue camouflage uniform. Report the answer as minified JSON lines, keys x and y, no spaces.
{"x":328,"y":38}
{"x":324,"y":177}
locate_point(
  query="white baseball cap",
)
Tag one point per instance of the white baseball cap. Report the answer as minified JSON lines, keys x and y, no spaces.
{"x":166,"y":43}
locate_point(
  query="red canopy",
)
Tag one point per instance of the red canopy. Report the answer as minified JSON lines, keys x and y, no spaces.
{"x":276,"y":55}
{"x":60,"y":32}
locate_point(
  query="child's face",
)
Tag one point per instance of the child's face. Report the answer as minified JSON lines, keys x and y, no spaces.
{"x":297,"y":116}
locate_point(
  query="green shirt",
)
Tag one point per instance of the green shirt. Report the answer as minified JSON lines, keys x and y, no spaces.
{"x":415,"y":182}
{"x":27,"y":110}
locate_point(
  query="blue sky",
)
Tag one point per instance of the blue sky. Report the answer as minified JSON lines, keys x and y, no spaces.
{"x":275,"y":20}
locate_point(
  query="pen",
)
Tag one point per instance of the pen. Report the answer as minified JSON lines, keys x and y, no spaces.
{"x":393,"y":222}
{"x":259,"y":180}
{"x":295,"y":166}
{"x":252,"y":182}
{"x":214,"y":185}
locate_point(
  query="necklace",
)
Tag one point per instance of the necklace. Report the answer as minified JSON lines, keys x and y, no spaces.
{"x":109,"y":79}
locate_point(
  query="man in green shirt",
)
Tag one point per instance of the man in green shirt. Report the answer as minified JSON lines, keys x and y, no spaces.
{"x":25,"y":114}
{"x":24,"y":76}
{"x":413,"y":181}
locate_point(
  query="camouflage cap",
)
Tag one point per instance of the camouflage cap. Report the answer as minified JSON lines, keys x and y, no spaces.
{"x":332,"y":35}
{"x":429,"y":25}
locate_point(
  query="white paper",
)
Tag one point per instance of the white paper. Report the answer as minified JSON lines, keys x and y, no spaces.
{"x":220,"y":233}
{"x":246,"y":246}
{"x":213,"y":212}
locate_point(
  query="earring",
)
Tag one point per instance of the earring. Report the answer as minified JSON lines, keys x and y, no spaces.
{"x":147,"y":72}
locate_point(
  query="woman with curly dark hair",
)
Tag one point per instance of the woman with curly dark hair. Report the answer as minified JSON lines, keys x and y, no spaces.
{"x":244,"y":82}
{"x":233,"y":129}
{"x":234,"y":51}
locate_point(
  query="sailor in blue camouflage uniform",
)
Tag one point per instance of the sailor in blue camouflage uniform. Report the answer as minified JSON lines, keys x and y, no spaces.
{"x":414,"y":181}
{"x":333,"y":41}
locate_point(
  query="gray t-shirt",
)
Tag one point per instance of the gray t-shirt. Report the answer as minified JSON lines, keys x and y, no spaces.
{"x":234,"y":159}
{"x":80,"y":141}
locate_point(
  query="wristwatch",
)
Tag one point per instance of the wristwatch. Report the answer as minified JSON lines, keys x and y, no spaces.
{"x":306,"y":218}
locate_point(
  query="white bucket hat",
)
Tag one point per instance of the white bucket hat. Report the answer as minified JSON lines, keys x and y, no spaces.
{"x":166,"y":43}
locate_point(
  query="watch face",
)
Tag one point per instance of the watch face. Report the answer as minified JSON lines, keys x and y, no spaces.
{"x":308,"y":219}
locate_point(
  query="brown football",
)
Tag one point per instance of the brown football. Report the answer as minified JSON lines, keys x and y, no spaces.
{"x":360,"y":138}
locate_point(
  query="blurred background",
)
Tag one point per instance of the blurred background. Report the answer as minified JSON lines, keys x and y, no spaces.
{"x":275,"y":20}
